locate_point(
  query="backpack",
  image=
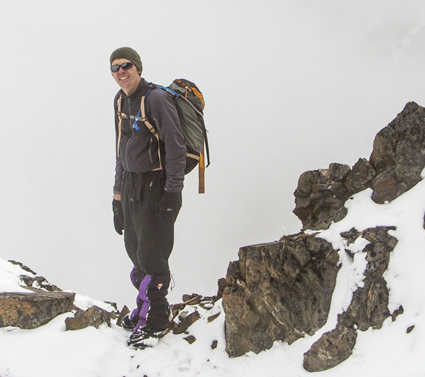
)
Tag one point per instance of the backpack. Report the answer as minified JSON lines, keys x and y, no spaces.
{"x":190,"y":105}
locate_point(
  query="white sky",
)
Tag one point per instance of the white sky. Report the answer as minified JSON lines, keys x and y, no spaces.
{"x":290,"y":86}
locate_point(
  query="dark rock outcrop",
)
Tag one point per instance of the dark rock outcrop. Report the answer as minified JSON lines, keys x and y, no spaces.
{"x":31,"y":310}
{"x":368,"y":308}
{"x":41,"y":304}
{"x":278,"y":291}
{"x":399,"y":154}
{"x":282,"y":290}
{"x":320,"y":196}
{"x":395,"y":166}
{"x":331,"y":349}
{"x":94,"y":316}
{"x":33,"y":280}
{"x":187,"y":313}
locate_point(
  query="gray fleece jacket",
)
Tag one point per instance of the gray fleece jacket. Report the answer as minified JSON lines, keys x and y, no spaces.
{"x":138,"y":150}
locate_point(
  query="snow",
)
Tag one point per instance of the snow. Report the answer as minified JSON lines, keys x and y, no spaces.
{"x":290,"y":86}
{"x":50,"y":351}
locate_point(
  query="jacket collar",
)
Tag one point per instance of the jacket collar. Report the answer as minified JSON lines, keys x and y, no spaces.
{"x":142,"y":83}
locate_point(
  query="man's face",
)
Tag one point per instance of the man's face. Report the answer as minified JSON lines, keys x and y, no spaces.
{"x":126,"y":79}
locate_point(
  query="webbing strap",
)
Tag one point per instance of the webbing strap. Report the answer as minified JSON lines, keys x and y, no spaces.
{"x":201,"y":173}
{"x":194,"y":156}
{"x":151,"y":128}
{"x":145,"y":119}
{"x":120,"y":116}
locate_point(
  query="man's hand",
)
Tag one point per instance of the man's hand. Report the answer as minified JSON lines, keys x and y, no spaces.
{"x":170,"y":205}
{"x":118,"y":216}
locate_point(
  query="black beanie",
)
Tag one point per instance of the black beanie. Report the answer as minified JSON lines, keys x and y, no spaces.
{"x":129,"y":54}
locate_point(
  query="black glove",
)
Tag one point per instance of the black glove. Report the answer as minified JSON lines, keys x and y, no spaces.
{"x":170,"y":205}
{"x":118,"y":216}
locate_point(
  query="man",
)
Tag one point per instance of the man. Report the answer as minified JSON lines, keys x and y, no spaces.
{"x":147,"y":192}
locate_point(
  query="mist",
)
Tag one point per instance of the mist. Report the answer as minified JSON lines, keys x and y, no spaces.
{"x":289,"y":86}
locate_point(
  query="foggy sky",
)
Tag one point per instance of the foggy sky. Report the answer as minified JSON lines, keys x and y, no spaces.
{"x":289,"y":86}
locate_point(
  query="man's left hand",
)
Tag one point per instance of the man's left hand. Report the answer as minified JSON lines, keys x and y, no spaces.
{"x":170,"y":204}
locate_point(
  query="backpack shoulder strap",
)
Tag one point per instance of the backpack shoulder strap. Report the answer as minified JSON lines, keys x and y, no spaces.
{"x":148,"y":124}
{"x":120,"y":116}
{"x":144,"y":118}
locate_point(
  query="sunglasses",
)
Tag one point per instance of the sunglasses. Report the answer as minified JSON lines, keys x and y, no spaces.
{"x":124,"y":66}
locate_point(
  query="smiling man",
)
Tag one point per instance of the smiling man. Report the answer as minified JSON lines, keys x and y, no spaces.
{"x":149,"y":175}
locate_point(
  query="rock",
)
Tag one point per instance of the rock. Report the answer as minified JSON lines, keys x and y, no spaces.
{"x":185,"y":321}
{"x":368,"y":307}
{"x":185,"y":314}
{"x":190,"y":339}
{"x":320,"y":196}
{"x":398,"y":154}
{"x":193,"y":299}
{"x":360,"y":176}
{"x":278,"y":291}
{"x":125,"y":310}
{"x":94,"y":316}
{"x":31,"y":310}
{"x":331,"y":349}
{"x":35,"y":281}
{"x":394,"y":166}
{"x":213,"y":317}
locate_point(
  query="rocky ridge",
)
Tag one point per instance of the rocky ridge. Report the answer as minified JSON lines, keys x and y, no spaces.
{"x":281,"y":291}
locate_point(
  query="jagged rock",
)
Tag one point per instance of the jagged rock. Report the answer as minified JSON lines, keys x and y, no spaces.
{"x":190,"y":339}
{"x":351,"y":236}
{"x":394,"y":166}
{"x":94,"y":316}
{"x":360,"y":176}
{"x":320,"y":196}
{"x":185,"y":314}
{"x":398,"y":154}
{"x":397,"y":312}
{"x":331,"y":349}
{"x":193,"y":299}
{"x":31,"y":310}
{"x":185,"y":321}
{"x":35,"y":281}
{"x":222,"y":283}
{"x":124,"y":311}
{"x":368,"y":307}
{"x":278,"y":291}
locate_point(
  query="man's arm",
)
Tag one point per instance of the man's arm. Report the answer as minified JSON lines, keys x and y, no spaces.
{"x":118,"y":165}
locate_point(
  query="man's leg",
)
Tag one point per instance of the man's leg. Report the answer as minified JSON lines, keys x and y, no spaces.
{"x":151,"y":274}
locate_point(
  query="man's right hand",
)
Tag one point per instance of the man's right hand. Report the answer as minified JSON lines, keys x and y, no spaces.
{"x":118,"y":216}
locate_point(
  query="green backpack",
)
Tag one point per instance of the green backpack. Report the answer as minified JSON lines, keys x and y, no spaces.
{"x":190,"y":107}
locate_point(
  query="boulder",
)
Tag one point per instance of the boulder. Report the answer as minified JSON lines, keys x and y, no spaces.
{"x":94,"y":316}
{"x":33,"y":309}
{"x":331,"y":349}
{"x":320,"y":196}
{"x":398,"y":154}
{"x":278,"y":291}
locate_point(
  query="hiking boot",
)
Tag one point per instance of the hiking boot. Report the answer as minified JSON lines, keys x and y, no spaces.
{"x":145,"y":337}
{"x":129,"y":323}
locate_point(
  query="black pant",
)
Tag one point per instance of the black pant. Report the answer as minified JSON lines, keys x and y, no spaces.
{"x":148,"y":240}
